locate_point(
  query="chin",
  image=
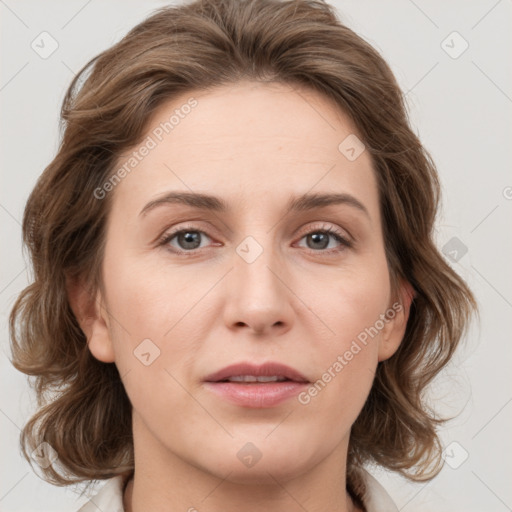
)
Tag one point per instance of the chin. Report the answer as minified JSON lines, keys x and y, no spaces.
{"x":250,"y":463}
{"x":263,"y":473}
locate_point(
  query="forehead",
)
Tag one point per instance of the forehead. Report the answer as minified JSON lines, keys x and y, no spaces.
{"x":247,"y":142}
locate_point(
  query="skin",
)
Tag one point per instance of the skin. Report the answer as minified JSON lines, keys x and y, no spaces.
{"x":254,"y":146}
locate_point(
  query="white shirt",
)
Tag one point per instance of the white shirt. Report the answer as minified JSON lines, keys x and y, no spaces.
{"x":110,"y":497}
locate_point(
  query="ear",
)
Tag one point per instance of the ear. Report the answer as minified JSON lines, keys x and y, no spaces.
{"x":92,"y":317}
{"x":396,"y":321}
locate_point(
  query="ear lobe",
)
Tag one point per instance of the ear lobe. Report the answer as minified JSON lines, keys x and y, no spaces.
{"x":91,"y":316}
{"x":397,"y":316}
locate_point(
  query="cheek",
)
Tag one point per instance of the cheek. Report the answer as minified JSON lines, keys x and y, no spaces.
{"x":353,"y":305}
{"x":347,"y":358}
{"x":346,"y":370}
{"x":154,"y":342}
{"x":158,"y":321}
{"x":146,"y":301}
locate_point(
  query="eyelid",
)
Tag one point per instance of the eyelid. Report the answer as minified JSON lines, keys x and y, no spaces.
{"x":329,"y":228}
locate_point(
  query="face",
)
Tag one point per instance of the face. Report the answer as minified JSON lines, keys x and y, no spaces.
{"x":262,"y":271}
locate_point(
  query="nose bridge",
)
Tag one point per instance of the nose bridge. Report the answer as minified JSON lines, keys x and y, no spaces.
{"x":256,"y":264}
{"x":257,"y":296}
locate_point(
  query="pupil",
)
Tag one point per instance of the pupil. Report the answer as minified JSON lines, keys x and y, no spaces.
{"x":321,"y":238}
{"x":189,"y":240}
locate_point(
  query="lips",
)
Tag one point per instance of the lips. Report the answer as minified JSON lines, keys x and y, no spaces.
{"x":270,"y":369}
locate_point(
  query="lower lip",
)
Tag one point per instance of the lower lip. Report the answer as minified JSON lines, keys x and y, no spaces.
{"x":256,"y":395}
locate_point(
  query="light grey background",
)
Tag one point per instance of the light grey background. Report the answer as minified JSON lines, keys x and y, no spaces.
{"x":460,"y":107}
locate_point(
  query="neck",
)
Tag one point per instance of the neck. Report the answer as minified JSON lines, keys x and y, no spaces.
{"x":290,"y":503}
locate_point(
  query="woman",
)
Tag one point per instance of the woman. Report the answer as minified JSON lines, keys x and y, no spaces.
{"x":238,"y":303}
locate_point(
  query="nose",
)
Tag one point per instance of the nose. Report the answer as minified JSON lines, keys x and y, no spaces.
{"x":258,"y":296}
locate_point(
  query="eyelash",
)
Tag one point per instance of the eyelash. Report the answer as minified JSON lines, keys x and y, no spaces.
{"x":342,"y":240}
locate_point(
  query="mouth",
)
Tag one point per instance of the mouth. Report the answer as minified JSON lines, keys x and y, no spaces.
{"x":256,"y":386}
{"x":256,"y":379}
{"x":250,"y":373}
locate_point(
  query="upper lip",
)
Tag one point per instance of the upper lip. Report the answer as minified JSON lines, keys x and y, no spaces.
{"x":266,"y":370}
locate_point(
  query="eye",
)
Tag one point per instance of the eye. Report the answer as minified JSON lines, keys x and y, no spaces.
{"x":320,"y":240}
{"x":326,"y":240}
{"x":184,"y":240}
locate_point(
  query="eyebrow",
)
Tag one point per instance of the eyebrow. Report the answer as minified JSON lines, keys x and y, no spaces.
{"x":301,"y":203}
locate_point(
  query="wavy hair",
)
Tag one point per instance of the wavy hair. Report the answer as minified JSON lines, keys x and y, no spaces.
{"x":83,"y":410}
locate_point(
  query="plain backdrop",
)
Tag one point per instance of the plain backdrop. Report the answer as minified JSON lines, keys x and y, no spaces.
{"x":454,"y":61}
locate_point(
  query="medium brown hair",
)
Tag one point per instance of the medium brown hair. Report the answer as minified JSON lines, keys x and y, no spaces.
{"x":84,"y":412}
